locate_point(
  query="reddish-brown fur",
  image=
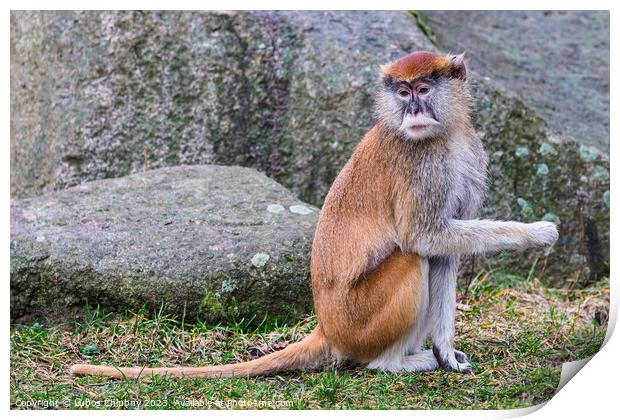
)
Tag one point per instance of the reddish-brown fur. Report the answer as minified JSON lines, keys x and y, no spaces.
{"x":362,"y":309}
{"x":367,"y":293}
{"x":297,"y":355}
{"x":417,"y":64}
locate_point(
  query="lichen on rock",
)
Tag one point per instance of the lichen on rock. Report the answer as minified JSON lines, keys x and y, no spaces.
{"x":260,"y":259}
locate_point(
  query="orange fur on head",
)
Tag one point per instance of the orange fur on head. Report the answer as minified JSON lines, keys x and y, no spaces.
{"x":421,"y":63}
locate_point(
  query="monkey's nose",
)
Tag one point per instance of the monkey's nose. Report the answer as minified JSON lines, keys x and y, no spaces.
{"x":414,"y":108}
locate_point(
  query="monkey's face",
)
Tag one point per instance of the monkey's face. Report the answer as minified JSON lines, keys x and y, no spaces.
{"x":415,"y":102}
{"x":423,"y":95}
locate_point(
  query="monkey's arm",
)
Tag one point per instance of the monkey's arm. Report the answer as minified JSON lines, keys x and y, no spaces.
{"x":456,"y":237}
{"x":460,"y":237}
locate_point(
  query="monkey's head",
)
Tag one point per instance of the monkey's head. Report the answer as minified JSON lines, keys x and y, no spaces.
{"x":424,"y":95}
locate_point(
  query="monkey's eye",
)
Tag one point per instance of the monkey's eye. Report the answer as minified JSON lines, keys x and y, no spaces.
{"x":423,"y":90}
{"x":403,"y":92}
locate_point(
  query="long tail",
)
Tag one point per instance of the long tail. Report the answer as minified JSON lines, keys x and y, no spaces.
{"x":304,"y":354}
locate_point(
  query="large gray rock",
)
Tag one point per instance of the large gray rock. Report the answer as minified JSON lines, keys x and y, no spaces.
{"x":558,"y":61}
{"x":213,"y":241}
{"x":534,"y":175}
{"x":104,"y":94}
{"x":288,"y":93}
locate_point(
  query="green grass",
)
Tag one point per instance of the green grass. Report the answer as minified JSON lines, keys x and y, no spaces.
{"x":516,"y":332}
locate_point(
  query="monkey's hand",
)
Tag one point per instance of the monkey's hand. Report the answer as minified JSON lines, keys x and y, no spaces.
{"x":542,"y":234}
{"x":454,"y":360}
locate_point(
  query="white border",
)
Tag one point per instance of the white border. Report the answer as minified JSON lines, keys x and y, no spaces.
{"x":591,"y":394}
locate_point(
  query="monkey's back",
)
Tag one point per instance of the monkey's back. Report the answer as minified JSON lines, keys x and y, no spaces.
{"x":355,"y":224}
{"x":366,"y":291}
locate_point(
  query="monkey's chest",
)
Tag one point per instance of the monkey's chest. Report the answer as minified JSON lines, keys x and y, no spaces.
{"x":442,"y":192}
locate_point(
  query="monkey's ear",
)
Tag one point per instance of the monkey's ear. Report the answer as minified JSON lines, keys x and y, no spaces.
{"x":382,"y":68}
{"x":458,"y":69}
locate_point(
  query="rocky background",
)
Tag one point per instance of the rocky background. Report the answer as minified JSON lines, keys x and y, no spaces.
{"x":556,"y":61}
{"x":130,"y":99}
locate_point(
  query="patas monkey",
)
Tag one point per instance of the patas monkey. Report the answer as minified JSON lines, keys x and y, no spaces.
{"x":390,"y":233}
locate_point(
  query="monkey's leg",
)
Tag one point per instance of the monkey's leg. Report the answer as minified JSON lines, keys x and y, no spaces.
{"x":442,"y":279}
{"x":374,"y":319}
{"x":456,"y":237}
{"x":420,"y":332}
{"x":405,"y":355}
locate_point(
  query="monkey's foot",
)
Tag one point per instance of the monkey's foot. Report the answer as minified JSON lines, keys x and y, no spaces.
{"x":423,"y":361}
{"x":452,"y":360}
{"x":461,"y":358}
